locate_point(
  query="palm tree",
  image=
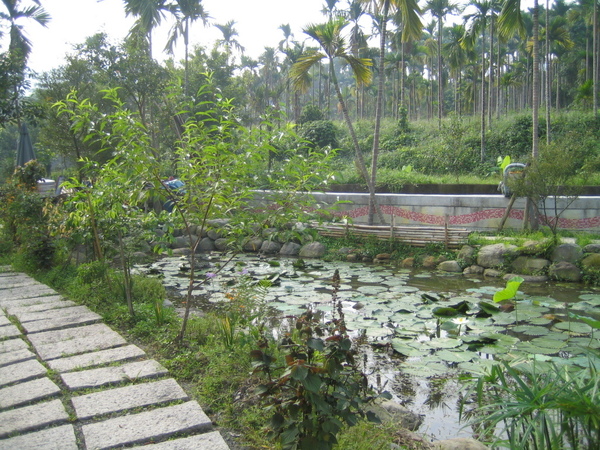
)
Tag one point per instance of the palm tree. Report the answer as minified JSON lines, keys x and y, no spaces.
{"x":478,"y":22}
{"x":457,"y":57}
{"x":439,"y":9}
{"x":333,"y":46}
{"x":149,"y":14}
{"x":20,"y":45}
{"x":411,"y":14}
{"x":186,"y":13}
{"x":229,"y":33}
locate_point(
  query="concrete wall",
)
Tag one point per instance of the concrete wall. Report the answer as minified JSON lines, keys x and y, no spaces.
{"x":475,"y":212}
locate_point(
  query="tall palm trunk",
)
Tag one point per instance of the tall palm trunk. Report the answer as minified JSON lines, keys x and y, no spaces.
{"x":378,"y":114}
{"x":439,"y":72}
{"x":360,"y":161}
{"x":483,"y":102}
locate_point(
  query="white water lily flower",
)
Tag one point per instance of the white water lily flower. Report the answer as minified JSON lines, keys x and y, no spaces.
{"x":460,"y":320}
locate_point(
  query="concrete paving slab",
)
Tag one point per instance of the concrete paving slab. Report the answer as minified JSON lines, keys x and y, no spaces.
{"x":10,"y":345}
{"x":32,"y":417}
{"x":128,"y":397}
{"x":27,"y":392}
{"x":23,"y":371}
{"x":96,"y":358}
{"x":114,"y":374}
{"x":58,"y":438}
{"x":55,"y":323}
{"x":9,"y":331}
{"x":4,"y":320}
{"x":7,"y":358}
{"x":38,"y":290}
{"x":30,"y":301}
{"x":17,"y":310}
{"x":73,"y":341}
{"x":139,"y":428}
{"x":205,"y":441}
{"x":52,"y":313}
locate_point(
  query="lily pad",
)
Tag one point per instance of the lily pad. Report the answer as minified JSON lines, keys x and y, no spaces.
{"x":574,"y":327}
{"x":455,"y":357}
{"x":531,"y":330}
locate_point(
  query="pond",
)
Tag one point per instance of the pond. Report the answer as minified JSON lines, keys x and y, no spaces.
{"x":422,"y":329}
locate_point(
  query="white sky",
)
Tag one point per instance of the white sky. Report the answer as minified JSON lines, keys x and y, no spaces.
{"x":257,"y":24}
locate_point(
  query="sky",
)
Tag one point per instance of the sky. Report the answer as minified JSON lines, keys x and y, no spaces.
{"x":257,"y":24}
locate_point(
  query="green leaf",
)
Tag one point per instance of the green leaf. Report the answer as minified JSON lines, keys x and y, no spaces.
{"x":591,"y":322}
{"x":316,"y":344}
{"x":444,"y":311}
{"x":312,"y":382}
{"x":512,"y":286}
{"x":299,"y":372}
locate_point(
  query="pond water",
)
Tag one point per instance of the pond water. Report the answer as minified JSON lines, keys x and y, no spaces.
{"x":422,"y":329}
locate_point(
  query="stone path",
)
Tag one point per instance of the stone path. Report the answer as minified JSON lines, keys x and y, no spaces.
{"x":68,"y":381}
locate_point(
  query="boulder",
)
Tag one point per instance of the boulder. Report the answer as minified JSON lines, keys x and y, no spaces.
{"x":532,"y":247}
{"x":492,"y":273}
{"x":458,"y":444}
{"x":270,"y":247}
{"x":290,"y":249}
{"x":429,"y":262}
{"x":214,"y":234}
{"x":408,"y":263}
{"x":450,"y":266}
{"x":252,"y":244}
{"x":527,"y":265}
{"x":527,"y":278}
{"x":390,"y":411}
{"x":564,"y":271}
{"x":221,"y":245}
{"x":495,"y":255}
{"x":205,"y":245}
{"x":217,"y":223}
{"x":467,"y":255}
{"x":571,"y":253}
{"x":591,"y":248}
{"x":180,"y":242}
{"x":313,"y":250}
{"x":592,"y":261}
{"x":473,"y":270}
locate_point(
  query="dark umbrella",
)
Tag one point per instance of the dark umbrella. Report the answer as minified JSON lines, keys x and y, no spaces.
{"x":25,"y":151}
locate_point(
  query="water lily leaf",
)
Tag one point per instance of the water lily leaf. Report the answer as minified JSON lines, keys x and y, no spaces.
{"x":540,"y":321}
{"x":445,"y":311}
{"x":592,"y":299}
{"x":371,"y":289}
{"x":531,"y":330}
{"x":426,"y":370}
{"x":548,"y":343}
{"x":492,"y":349}
{"x":378,"y":331}
{"x":400,"y":346}
{"x":455,"y":357}
{"x":488,"y":308}
{"x":478,"y":367}
{"x":444,"y":343}
{"x":574,"y":327}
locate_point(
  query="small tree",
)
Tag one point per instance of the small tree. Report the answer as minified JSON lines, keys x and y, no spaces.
{"x":553,"y":181}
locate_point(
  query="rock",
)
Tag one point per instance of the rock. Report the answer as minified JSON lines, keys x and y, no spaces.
{"x":313,"y":250}
{"x":473,"y":270}
{"x":267,"y":232}
{"x":527,"y":278}
{"x":383,"y":256}
{"x":564,"y":271}
{"x":180,"y":242}
{"x":492,"y":273}
{"x":450,"y":266}
{"x":429,"y":262}
{"x":592,"y":248}
{"x":252,"y":244}
{"x":392,"y":412}
{"x":495,"y":255}
{"x":592,"y":261}
{"x":290,"y":249}
{"x":458,"y":444}
{"x":467,"y":255}
{"x":408,"y":263}
{"x":533,"y":247}
{"x":352,"y":257}
{"x":221,"y":245}
{"x":527,"y":265}
{"x":571,"y":253}
{"x":205,"y":245}
{"x":182,"y":251}
{"x":217,"y":223}
{"x":270,"y":247}
{"x":214,"y":234}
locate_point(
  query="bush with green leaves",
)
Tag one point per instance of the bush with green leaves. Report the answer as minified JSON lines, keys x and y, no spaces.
{"x":319,"y":133}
